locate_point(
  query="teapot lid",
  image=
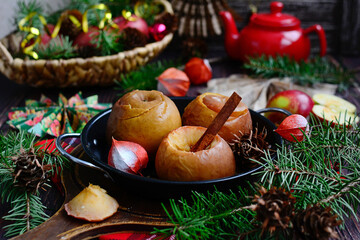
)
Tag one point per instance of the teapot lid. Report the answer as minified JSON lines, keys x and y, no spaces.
{"x":275,"y":18}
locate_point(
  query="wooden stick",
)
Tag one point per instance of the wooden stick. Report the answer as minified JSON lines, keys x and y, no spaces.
{"x":217,"y":123}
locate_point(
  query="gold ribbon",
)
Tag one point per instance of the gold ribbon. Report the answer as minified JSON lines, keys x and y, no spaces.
{"x":106,"y":18}
{"x":34,"y":33}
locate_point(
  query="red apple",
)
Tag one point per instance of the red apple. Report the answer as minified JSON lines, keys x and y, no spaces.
{"x":133,"y":22}
{"x":334,"y":109}
{"x":84,"y":38}
{"x":295,"y":101}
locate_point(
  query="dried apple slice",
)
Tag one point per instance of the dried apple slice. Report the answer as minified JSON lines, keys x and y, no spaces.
{"x":92,"y":204}
{"x":334,"y":109}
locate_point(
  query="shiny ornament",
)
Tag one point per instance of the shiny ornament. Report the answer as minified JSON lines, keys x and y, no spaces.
{"x":198,"y":70}
{"x":132,"y":21}
{"x":158,"y":31}
{"x":293,"y":128}
{"x":173,"y":82}
{"x":127,"y":156}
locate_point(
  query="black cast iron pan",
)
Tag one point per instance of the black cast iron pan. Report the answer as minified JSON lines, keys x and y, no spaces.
{"x":95,"y":145}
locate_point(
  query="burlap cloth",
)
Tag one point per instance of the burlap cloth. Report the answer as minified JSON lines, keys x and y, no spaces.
{"x":256,"y":92}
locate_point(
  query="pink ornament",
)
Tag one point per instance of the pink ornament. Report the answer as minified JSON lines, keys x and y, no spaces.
{"x":158,"y":31}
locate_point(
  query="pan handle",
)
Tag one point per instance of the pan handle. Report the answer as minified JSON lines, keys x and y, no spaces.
{"x":58,"y":142}
{"x":273,"y":109}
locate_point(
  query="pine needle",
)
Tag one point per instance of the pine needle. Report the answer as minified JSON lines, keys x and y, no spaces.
{"x":27,"y":210}
{"x":316,"y":70}
{"x":144,"y":78}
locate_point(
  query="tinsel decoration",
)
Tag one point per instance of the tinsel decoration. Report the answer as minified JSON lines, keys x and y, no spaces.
{"x":199,"y":18}
{"x":133,"y":38}
{"x":316,"y":222}
{"x":30,"y":172}
{"x":274,"y":208}
{"x":250,"y":146}
{"x":47,"y":117}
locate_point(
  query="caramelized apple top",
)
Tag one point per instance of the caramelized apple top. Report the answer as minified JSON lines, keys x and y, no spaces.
{"x":216,"y":102}
{"x":184,"y":139}
{"x":138,"y":102}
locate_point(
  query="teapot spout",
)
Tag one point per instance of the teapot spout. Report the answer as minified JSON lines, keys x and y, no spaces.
{"x":231,"y":34}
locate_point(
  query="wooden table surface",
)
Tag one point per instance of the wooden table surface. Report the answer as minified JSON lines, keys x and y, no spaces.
{"x":13,"y":95}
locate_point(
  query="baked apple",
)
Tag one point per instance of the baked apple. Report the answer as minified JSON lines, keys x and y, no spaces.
{"x":174,"y":160}
{"x":143,"y":117}
{"x":204,"y":108}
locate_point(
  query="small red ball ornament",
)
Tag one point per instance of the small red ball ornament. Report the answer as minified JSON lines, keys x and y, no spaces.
{"x":198,"y":70}
{"x":158,"y":31}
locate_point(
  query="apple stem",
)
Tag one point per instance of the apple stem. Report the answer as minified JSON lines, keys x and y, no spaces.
{"x":217,"y":123}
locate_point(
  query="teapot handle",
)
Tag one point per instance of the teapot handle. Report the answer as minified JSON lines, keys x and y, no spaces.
{"x":321,"y":33}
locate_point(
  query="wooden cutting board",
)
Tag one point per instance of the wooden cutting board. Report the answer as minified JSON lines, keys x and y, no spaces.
{"x":136,"y":213}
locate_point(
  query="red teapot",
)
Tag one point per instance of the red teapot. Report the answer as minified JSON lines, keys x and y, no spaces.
{"x":272,"y":34}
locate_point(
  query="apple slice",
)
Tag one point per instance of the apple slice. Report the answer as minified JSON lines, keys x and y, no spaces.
{"x":334,"y":102}
{"x":334,"y":109}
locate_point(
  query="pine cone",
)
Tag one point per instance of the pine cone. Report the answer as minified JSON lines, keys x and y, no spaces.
{"x":133,"y":38}
{"x":29,"y":171}
{"x":68,"y":28}
{"x":316,"y":223}
{"x":274,"y":208}
{"x":251,"y":145}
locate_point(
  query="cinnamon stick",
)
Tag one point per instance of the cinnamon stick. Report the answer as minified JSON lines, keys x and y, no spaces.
{"x":217,"y":123}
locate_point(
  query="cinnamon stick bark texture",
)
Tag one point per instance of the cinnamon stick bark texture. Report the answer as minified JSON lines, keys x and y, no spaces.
{"x":217,"y":123}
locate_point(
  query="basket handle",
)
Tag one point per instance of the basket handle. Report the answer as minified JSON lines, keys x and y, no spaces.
{"x":4,"y":53}
{"x":167,"y":6}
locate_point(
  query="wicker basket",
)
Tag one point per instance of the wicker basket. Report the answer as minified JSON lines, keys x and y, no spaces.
{"x":94,"y":71}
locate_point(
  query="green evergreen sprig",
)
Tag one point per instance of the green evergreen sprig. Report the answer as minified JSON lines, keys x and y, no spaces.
{"x":25,"y":8}
{"x":313,"y":71}
{"x":323,"y":170}
{"x":108,"y":43}
{"x":144,"y":78}
{"x":58,"y":48}
{"x":27,"y":210}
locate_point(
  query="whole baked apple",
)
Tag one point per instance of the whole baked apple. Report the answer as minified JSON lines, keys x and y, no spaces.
{"x":143,"y":117}
{"x":295,"y":101}
{"x":204,"y":108}
{"x":174,"y":160}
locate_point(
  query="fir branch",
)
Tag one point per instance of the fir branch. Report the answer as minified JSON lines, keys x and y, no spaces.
{"x":27,"y":7}
{"x":27,"y":210}
{"x":107,"y":42}
{"x":316,"y":70}
{"x":211,"y":216}
{"x":58,"y":48}
{"x":144,"y":78}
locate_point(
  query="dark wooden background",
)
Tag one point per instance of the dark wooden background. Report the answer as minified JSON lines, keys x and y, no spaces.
{"x":339,"y":18}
